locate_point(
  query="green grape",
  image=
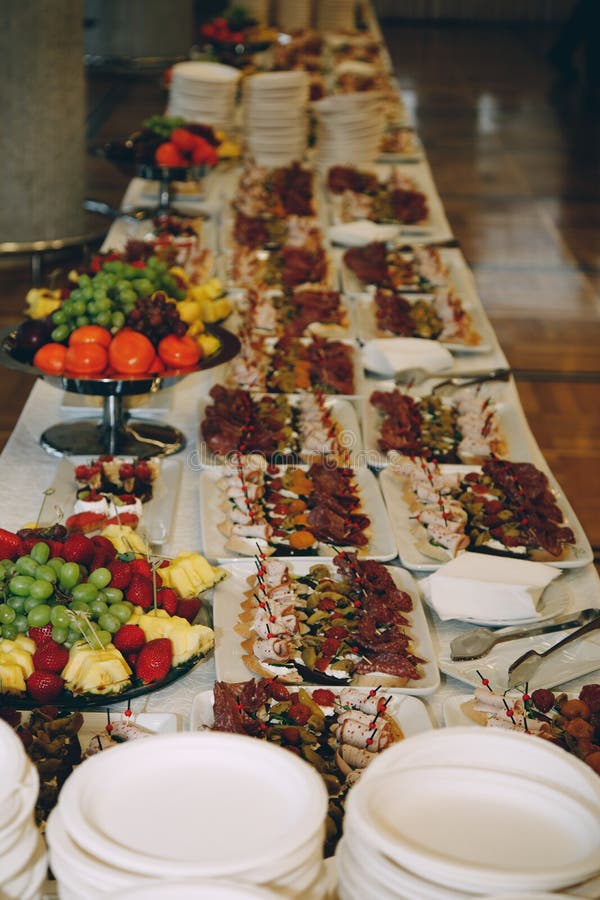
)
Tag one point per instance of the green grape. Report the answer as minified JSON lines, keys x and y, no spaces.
{"x":84,"y":280}
{"x":59,"y":316}
{"x":60,"y":333}
{"x":87,"y":293}
{"x":41,"y":590}
{"x":20,"y":585}
{"x":47,"y":572}
{"x":92,"y":308}
{"x":103,"y":303}
{"x":103,"y":319}
{"x":109,"y":622}
{"x":78,"y":307}
{"x":80,"y":606}
{"x":26,"y":565}
{"x":21,"y":624}
{"x":60,"y":634}
{"x":40,"y":552}
{"x":100,"y":577}
{"x":100,"y":638}
{"x":113,"y":595}
{"x":82,"y":320}
{"x":130,"y":296}
{"x":69,"y":575}
{"x":7,"y":614}
{"x":39,"y":615}
{"x":56,"y":563}
{"x":30,"y":603}
{"x":74,"y":634}
{"x":9,"y":632}
{"x":118,"y":319}
{"x":75,"y":296}
{"x":86,"y":591}
{"x":60,"y":617}
{"x":98,"y":608}
{"x":121,"y":611}
{"x":17,"y":603}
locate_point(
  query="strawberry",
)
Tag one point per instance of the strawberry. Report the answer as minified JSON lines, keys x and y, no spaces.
{"x":140,"y":591}
{"x":168,"y":599}
{"x":44,"y":687}
{"x":183,"y":139}
{"x":11,"y":545}
{"x":121,"y":574}
{"x":169,"y":155}
{"x":188,"y":608}
{"x":107,"y":548}
{"x":40,"y":635}
{"x":142,"y":567}
{"x":129,"y":639}
{"x":154,"y":660}
{"x":78,"y":548}
{"x":50,"y":657}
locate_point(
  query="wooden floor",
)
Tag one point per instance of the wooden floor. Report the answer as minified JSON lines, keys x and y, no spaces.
{"x":516,"y":160}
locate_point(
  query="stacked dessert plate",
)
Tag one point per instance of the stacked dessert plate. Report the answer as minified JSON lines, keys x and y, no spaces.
{"x":204,"y":92}
{"x":275,"y":124}
{"x":190,"y":806}
{"x":349,"y":128}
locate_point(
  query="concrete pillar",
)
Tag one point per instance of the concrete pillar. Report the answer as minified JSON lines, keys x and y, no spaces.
{"x":42,"y":124}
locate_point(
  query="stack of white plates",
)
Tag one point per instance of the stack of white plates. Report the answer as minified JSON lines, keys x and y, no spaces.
{"x":349,"y":128}
{"x":190,"y":806}
{"x":275,"y":120}
{"x":204,"y":92}
{"x":336,"y":15}
{"x":22,"y":851}
{"x":464,"y":812}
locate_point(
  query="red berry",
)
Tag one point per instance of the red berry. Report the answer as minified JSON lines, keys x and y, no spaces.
{"x":50,"y":657}
{"x":40,"y":634}
{"x":11,"y":545}
{"x":168,"y":599}
{"x":106,"y":546}
{"x":140,"y":591}
{"x":169,"y":155}
{"x":141,"y":567}
{"x":129,"y":638}
{"x":299,"y":713}
{"x":78,"y":548}
{"x":44,"y":687}
{"x":154,"y":660}
{"x":183,"y":139}
{"x":187,"y":608}
{"x":121,"y":573}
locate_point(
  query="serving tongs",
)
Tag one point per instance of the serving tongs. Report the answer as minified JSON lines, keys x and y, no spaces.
{"x":479,"y":641}
{"x":524,"y":668}
{"x":417,"y":375}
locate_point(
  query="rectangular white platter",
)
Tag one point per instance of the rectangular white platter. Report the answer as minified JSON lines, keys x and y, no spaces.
{"x":342,"y":411}
{"x":229,"y":594}
{"x":437,"y":228}
{"x":409,"y":713}
{"x":158,"y":513}
{"x":382,"y":545}
{"x":576,"y":555}
{"x":520,"y":443}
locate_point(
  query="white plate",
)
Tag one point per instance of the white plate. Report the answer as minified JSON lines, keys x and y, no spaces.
{"x":380,"y":547}
{"x":342,"y":412}
{"x":409,"y":713}
{"x":455,"y":819}
{"x":576,"y":555}
{"x":520,"y":443}
{"x":367,"y":329}
{"x":229,"y":593}
{"x":157,"y":515}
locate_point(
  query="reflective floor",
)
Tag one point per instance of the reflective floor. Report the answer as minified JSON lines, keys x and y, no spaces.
{"x":516,"y":159}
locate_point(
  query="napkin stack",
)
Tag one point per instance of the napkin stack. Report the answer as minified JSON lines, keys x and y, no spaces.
{"x":474,"y":586}
{"x":349,"y":128}
{"x":204,"y":92}
{"x":385,"y":356}
{"x":275,"y":123}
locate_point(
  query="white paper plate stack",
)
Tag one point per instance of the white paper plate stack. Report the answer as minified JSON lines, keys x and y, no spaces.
{"x":204,"y":92}
{"x":22,"y":851}
{"x":461,"y":812}
{"x":335,"y":15}
{"x":275,"y":119}
{"x":349,"y":128}
{"x":190,"y":806}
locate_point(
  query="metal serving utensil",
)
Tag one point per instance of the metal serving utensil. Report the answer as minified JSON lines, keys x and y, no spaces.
{"x":416,"y":375}
{"x":477,"y":642}
{"x":105,"y":209}
{"x":522,"y":669}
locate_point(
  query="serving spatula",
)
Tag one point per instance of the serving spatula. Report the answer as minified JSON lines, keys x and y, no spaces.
{"x":522,"y":669}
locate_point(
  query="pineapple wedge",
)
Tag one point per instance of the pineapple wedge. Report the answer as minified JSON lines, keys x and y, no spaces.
{"x":190,"y":573}
{"x":92,"y":671}
{"x":11,"y":675}
{"x":125,"y":540}
{"x":18,"y":652}
{"x":187,"y":640}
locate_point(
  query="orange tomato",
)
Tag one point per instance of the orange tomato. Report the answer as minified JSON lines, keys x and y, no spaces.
{"x":131,"y":353}
{"x":90,"y":334}
{"x":50,"y":358}
{"x":86,"y":359}
{"x":179,"y":352}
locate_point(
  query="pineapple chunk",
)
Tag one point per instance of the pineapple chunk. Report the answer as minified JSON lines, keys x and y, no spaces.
{"x":190,"y":573}
{"x":187,"y":640}
{"x":92,"y":671}
{"x":209,"y":343}
{"x":12,"y":679}
{"x":18,"y":654}
{"x":125,"y":540}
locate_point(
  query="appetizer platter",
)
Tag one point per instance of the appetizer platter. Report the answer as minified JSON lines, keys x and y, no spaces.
{"x":111,"y":490}
{"x":290,"y":427}
{"x":305,"y":597}
{"x":302,"y":311}
{"x":293,"y":365}
{"x":292,"y":510}
{"x":331,"y":728}
{"x":285,"y":266}
{"x":511,"y":509}
{"x":403,"y":195}
{"x":405,"y":268}
{"x":468,"y":425}
{"x":400,"y":144}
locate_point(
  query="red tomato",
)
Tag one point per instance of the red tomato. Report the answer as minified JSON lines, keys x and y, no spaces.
{"x":90,"y":334}
{"x":50,"y":358}
{"x":131,"y":353}
{"x":86,"y":359}
{"x":179,"y":352}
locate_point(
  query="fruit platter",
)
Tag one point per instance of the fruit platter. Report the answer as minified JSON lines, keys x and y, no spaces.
{"x":90,"y":619}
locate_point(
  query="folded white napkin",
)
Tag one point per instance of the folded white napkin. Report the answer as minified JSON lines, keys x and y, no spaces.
{"x":388,"y":355}
{"x":361,"y":232}
{"x":474,"y":586}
